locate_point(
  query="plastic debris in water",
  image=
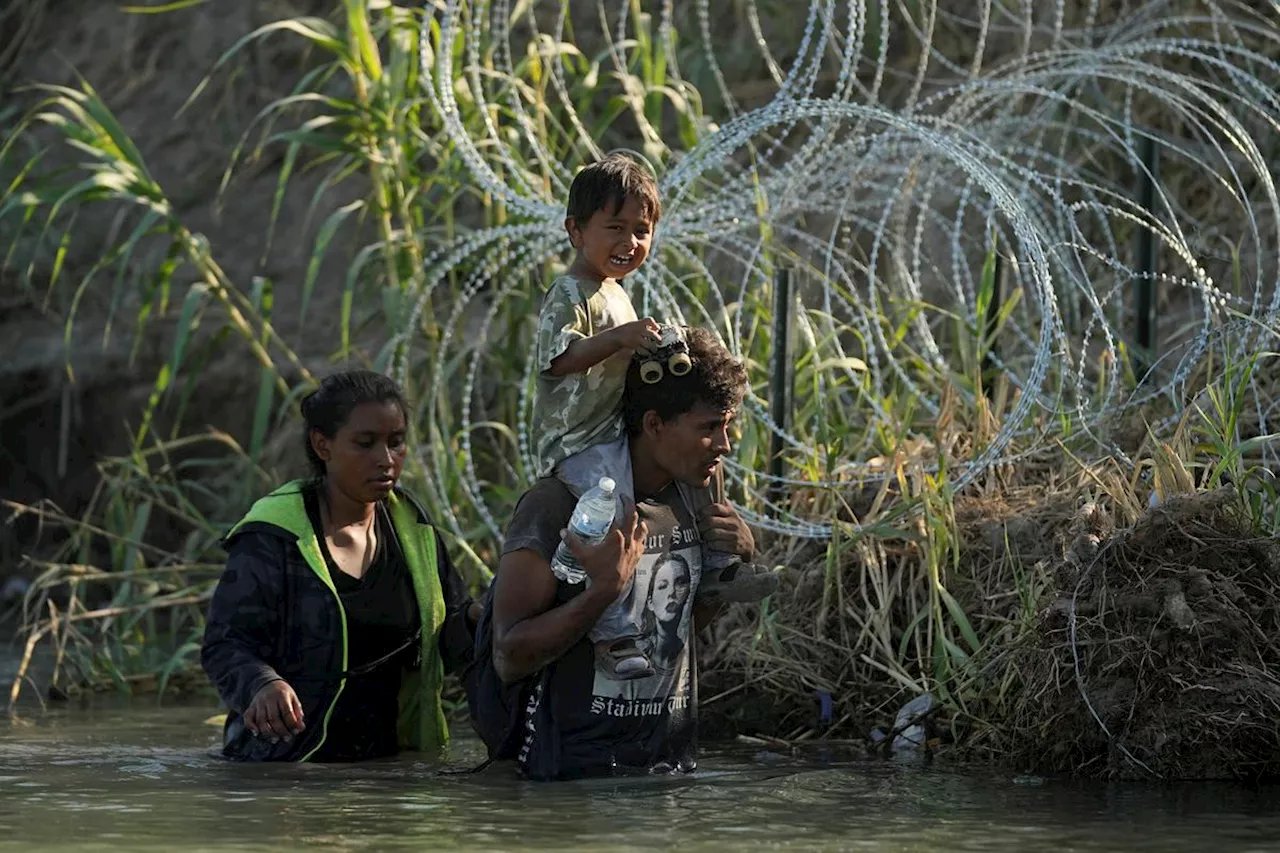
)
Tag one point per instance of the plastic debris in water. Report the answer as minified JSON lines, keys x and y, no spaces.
{"x":826,"y":706}
{"x":909,"y":723}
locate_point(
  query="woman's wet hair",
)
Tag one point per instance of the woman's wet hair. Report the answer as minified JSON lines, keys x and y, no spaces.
{"x":716,"y":379}
{"x":328,"y":408}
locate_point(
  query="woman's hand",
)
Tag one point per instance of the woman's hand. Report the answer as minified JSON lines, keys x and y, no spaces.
{"x":275,"y":712}
{"x":612,"y":563}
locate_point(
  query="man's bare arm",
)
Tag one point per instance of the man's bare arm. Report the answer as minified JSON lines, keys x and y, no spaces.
{"x":528,"y":630}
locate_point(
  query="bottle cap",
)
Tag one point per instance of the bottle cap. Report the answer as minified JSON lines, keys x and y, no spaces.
{"x":607,"y":485}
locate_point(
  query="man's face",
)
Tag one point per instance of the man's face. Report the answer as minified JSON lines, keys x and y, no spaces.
{"x":689,"y":446}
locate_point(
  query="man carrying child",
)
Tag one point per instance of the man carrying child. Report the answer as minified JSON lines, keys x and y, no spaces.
{"x":579,"y":719}
{"x":588,"y":333}
{"x":612,"y":662}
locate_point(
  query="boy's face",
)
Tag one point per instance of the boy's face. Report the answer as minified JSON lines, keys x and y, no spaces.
{"x":612,"y":244}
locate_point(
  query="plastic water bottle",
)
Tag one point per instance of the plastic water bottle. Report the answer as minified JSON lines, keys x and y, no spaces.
{"x":591,"y":520}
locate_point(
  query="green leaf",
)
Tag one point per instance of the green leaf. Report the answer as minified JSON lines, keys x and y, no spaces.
{"x":961,"y":621}
{"x":262,"y":411}
{"x":137,"y":533}
{"x":124,"y":149}
{"x":349,"y":292}
{"x":363,"y":43}
{"x":286,"y":170}
{"x":322,"y":141}
{"x":260,"y":295}
{"x":178,"y":660}
{"x":59,"y":258}
{"x":318,"y":31}
{"x":161,"y":9}
{"x":986,"y":285}
{"x":1251,"y":444}
{"x":327,"y":230}
{"x":187,"y":324}
{"x":144,"y":228}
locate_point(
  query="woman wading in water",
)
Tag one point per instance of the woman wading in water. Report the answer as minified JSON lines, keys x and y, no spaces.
{"x":338,"y":612}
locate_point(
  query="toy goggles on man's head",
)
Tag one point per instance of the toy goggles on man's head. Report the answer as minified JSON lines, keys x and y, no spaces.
{"x":670,"y":356}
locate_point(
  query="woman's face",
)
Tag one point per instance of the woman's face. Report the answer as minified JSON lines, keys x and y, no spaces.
{"x":670,"y":590}
{"x":364,"y":457}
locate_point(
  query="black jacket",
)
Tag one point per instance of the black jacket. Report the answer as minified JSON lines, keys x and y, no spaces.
{"x":275,"y":616}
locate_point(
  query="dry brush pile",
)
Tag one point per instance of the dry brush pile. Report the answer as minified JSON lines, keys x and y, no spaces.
{"x":1116,"y":640}
{"x":1155,"y":653}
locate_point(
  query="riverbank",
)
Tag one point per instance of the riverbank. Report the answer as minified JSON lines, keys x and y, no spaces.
{"x":961,"y":340}
{"x":1090,"y":625}
{"x":1091,"y":628}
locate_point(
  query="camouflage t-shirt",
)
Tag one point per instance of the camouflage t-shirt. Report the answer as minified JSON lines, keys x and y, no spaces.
{"x":578,"y":410}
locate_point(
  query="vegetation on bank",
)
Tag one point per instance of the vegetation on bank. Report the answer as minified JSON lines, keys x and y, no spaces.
{"x":931,"y":580}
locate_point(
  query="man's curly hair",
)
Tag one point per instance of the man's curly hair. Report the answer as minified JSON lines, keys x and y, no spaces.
{"x":717,"y":379}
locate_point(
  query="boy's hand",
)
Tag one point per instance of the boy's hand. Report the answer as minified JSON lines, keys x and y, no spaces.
{"x":639,"y":335}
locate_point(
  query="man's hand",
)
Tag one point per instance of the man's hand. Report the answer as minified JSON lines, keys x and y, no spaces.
{"x":612,"y":563}
{"x":638,"y":335}
{"x":529,"y":629}
{"x":722,"y":530}
{"x":275,"y":712}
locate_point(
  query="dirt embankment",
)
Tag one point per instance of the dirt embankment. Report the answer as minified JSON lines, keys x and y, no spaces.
{"x":1155,"y":652}
{"x":1121,"y":642}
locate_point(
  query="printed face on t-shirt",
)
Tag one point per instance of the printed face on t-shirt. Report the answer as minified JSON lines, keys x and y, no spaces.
{"x":660,"y":610}
{"x":670,"y":589}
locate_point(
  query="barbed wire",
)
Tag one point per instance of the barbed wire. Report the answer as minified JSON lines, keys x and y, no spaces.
{"x":888,"y":184}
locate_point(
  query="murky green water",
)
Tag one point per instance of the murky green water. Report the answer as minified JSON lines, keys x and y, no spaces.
{"x":143,"y":778}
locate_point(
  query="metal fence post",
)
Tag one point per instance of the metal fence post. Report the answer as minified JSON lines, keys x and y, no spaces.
{"x":780,"y":385}
{"x":992,"y":351}
{"x":1144,"y":296}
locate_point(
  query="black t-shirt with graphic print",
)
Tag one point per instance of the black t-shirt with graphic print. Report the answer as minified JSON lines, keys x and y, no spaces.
{"x":582,"y":722}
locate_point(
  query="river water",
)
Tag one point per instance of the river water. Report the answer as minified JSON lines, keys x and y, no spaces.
{"x":138,"y":777}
